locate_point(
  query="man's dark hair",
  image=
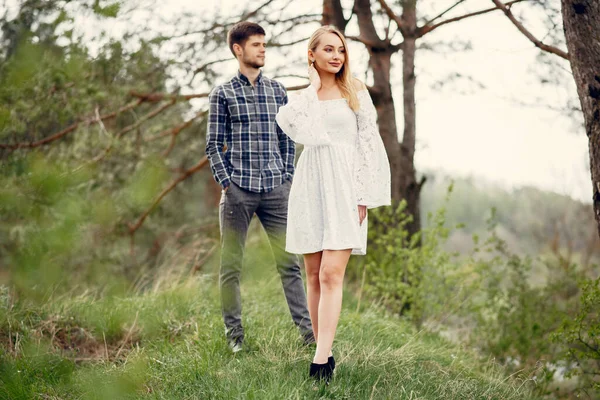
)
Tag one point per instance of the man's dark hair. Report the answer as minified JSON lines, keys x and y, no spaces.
{"x":240,"y":33}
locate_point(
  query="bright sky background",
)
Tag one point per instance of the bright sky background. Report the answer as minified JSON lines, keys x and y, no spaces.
{"x":463,"y":130}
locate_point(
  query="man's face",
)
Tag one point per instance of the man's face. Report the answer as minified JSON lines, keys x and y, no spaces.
{"x":253,"y":51}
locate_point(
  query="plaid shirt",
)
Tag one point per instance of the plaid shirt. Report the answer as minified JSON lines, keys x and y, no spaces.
{"x":259,"y":155}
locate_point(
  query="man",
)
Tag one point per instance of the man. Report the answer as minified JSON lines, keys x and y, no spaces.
{"x":255,"y":174}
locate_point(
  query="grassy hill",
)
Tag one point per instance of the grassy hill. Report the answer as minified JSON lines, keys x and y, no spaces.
{"x":168,"y":343}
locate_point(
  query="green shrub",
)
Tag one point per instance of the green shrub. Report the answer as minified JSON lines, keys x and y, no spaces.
{"x":508,"y":306}
{"x":580,"y":337}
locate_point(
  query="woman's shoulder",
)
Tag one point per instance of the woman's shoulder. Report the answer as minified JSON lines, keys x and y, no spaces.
{"x":358,"y":84}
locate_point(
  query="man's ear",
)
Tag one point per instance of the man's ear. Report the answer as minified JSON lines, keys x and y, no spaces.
{"x":237,"y":49}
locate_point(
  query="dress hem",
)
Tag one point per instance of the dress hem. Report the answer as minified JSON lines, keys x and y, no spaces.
{"x":357,"y":251}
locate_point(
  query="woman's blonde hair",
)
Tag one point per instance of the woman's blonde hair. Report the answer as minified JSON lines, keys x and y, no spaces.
{"x":343,"y":78}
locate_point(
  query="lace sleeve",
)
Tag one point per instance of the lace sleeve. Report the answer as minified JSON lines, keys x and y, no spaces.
{"x":301,"y":118}
{"x":372,"y":167}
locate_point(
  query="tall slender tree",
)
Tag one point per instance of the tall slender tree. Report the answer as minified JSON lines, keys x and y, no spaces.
{"x":581,"y":20}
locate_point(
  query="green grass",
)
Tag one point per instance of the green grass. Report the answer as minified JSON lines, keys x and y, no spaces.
{"x":169,"y":344}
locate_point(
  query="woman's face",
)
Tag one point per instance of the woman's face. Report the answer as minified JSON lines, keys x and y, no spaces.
{"x":330,"y":54}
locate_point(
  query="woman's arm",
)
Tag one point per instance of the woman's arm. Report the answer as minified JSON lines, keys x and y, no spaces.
{"x":371,"y":167}
{"x":301,"y":118}
{"x":287,"y":147}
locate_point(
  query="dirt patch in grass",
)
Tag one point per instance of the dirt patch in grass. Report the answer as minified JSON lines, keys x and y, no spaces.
{"x":73,"y":341}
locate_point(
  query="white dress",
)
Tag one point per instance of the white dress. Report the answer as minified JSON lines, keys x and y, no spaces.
{"x":343,"y":164}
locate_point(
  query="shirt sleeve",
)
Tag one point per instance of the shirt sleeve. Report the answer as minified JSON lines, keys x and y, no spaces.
{"x":301,"y":118}
{"x":219,"y":123}
{"x":287,"y":147}
{"x":371,"y":165}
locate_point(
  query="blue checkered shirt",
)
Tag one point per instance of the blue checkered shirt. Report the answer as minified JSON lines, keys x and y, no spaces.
{"x":259,"y":155}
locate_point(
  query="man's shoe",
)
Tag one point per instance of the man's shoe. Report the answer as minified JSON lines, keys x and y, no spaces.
{"x":235,"y":344}
{"x":309,"y":339}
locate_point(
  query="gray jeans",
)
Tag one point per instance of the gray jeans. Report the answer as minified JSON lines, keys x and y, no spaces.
{"x":236,"y":208}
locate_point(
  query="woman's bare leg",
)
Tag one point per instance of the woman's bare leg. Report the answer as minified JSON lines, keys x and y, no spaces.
{"x":312,"y":264}
{"x":331,"y":279}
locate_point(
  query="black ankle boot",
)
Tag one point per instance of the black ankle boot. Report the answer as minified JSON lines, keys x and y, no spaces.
{"x":331,"y":362}
{"x":321,"y":372}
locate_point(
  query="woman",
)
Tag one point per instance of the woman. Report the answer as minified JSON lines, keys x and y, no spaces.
{"x":342,"y":171}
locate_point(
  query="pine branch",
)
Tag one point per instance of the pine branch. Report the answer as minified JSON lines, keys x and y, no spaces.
{"x":174,"y":132}
{"x":538,"y":43}
{"x":186,"y":174}
{"x":424,"y":29}
{"x":70,"y":128}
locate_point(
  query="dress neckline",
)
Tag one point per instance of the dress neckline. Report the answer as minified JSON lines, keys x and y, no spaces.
{"x":358,"y":92}
{"x":324,"y":101}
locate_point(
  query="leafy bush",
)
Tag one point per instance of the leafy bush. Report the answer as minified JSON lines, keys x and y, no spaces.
{"x":581,"y":338}
{"x":396,"y":266}
{"x":506,"y":305}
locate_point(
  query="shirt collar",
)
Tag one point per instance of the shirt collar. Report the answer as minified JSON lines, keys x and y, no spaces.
{"x":246,"y":81}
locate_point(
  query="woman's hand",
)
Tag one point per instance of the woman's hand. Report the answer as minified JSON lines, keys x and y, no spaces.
{"x":362,"y":213}
{"x":314,"y":77}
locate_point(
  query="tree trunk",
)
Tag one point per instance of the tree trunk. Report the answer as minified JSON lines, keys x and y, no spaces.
{"x":405,"y":184}
{"x":401,"y":155}
{"x":581,"y":20}
{"x":333,"y":14}
{"x":401,"y":160}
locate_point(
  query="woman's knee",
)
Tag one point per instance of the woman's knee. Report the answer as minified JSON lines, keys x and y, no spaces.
{"x":312,"y":275}
{"x":331,"y":275}
{"x":312,"y":266}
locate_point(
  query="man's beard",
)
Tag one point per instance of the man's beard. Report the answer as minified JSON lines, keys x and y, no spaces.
{"x":253,"y":64}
